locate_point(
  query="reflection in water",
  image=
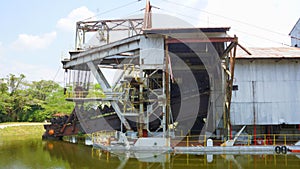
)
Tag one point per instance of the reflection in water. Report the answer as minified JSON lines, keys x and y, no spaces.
{"x":26,"y":153}
{"x":35,"y":153}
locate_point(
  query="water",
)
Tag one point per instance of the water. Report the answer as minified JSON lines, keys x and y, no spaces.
{"x":34,"y":153}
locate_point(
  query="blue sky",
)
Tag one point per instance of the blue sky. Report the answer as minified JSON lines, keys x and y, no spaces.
{"x":36,"y":34}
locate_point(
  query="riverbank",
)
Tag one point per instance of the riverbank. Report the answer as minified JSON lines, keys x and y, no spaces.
{"x":21,"y":129}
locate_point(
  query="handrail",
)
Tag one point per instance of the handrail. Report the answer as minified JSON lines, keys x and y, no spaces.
{"x":244,"y":140}
{"x":201,"y":140}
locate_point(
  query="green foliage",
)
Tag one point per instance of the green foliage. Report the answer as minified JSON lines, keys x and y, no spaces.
{"x":55,"y":103}
{"x":35,"y":101}
{"x":96,"y":91}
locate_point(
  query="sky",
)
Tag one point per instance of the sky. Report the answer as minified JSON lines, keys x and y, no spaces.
{"x":36,"y":35}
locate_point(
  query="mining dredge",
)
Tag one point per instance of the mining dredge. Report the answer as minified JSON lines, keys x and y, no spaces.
{"x":149,"y":81}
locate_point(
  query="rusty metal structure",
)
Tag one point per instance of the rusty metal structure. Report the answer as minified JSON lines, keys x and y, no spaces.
{"x":168,"y":78}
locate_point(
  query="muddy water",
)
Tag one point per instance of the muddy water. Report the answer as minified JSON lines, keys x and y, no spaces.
{"x":37,"y":154}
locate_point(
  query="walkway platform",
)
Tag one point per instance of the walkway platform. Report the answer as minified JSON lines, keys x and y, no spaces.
{"x":197,"y":150}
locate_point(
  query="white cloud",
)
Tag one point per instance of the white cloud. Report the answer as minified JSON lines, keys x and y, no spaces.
{"x":183,"y":11}
{"x":33,"y":42}
{"x":254,"y":22}
{"x":68,"y":23}
{"x":33,"y":72}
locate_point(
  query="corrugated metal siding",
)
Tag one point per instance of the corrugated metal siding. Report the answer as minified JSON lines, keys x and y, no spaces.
{"x":268,"y":90}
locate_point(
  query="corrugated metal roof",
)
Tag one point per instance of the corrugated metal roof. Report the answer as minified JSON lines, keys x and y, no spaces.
{"x":269,"y":53}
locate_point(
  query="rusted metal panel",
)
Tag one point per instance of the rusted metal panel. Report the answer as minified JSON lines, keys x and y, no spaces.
{"x":268,"y":92}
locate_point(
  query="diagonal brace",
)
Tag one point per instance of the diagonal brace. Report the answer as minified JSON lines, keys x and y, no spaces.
{"x":106,"y":87}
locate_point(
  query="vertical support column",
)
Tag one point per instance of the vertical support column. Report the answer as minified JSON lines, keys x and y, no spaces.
{"x":230,"y":66}
{"x":167,"y":88}
{"x":141,"y":101}
{"x":164,"y":105}
{"x":78,"y":37}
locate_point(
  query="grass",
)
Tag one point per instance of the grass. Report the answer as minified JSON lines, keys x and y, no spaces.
{"x":22,"y":130}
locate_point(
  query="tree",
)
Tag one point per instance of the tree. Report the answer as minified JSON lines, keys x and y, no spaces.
{"x":41,"y":89}
{"x":14,"y":82}
{"x":49,"y":99}
{"x":35,"y":101}
{"x":12,"y":102}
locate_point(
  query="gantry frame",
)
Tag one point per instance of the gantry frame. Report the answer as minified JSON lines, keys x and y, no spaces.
{"x":91,"y":58}
{"x":104,"y":27}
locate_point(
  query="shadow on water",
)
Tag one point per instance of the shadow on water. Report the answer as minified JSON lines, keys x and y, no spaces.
{"x":35,"y":153}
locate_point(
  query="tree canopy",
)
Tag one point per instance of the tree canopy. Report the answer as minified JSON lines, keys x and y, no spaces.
{"x":31,"y":101}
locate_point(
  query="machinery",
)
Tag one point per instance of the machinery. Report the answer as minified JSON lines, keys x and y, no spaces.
{"x":161,"y":79}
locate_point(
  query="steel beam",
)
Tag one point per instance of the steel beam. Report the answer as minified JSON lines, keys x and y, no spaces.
{"x":96,"y":54}
{"x":106,"y":88}
{"x":120,"y":115}
{"x":99,"y":76}
{"x":83,"y":27}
